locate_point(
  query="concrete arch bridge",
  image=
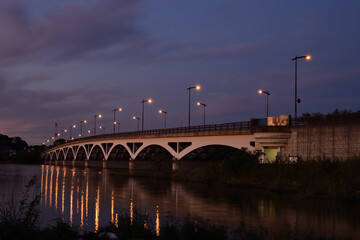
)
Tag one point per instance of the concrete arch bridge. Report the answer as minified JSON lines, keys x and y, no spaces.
{"x":173,"y":148}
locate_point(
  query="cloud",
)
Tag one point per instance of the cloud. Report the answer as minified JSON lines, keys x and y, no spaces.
{"x":71,"y":30}
{"x":237,"y":50}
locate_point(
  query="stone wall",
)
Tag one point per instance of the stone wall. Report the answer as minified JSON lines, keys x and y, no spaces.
{"x":324,"y":140}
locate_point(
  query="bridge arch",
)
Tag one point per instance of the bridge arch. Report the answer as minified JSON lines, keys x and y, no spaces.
{"x":152,"y":152}
{"x":69,"y":156}
{"x":164,"y":146}
{"x":155,"y":157}
{"x":81,"y":154}
{"x":52,"y":156}
{"x":97,"y":153}
{"x":61,"y":155}
{"x":118,"y":153}
{"x":209,"y":153}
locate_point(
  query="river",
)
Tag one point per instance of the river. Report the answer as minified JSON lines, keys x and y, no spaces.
{"x":90,"y":198}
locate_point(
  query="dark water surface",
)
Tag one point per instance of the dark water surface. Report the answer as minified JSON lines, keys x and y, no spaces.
{"x":90,"y":198}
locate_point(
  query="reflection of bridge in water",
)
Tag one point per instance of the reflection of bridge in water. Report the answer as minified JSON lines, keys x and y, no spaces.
{"x":91,"y":198}
{"x":190,"y":146}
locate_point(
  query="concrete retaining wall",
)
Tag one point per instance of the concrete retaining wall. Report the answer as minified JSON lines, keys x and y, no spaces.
{"x":330,"y":141}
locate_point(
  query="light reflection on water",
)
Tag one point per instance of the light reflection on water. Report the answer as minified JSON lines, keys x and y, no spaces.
{"x":89,"y":199}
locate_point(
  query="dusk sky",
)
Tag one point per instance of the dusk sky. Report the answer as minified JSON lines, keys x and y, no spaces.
{"x":66,"y":60}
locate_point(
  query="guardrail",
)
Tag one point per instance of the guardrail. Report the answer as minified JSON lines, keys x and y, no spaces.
{"x":191,"y":129}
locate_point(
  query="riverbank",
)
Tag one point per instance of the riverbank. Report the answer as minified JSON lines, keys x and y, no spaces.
{"x":316,"y":178}
{"x":23,"y":157}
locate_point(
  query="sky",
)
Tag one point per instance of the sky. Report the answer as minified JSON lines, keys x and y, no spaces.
{"x":67,"y":60}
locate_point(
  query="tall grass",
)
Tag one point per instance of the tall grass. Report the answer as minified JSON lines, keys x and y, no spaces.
{"x":319,"y":177}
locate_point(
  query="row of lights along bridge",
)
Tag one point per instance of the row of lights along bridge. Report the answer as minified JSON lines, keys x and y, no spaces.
{"x":197,"y":87}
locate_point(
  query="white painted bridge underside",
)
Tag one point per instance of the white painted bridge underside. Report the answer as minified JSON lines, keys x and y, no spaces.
{"x":235,"y":141}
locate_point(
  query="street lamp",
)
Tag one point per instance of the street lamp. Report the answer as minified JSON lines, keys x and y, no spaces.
{"x":81,"y":122}
{"x":62,"y":133}
{"x":267,"y":101}
{"x":197,"y":87}
{"x":204,"y":105}
{"x":134,"y":117}
{"x":96,"y":116}
{"x":118,"y":124}
{"x":142,"y":120}
{"x":116,"y":109}
{"x":296,"y":99}
{"x":73,"y":126}
{"x":165,"y":113}
{"x":103,"y":128}
{"x":90,"y":132}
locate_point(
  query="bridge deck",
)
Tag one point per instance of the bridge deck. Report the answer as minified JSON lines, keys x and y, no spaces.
{"x":235,"y":128}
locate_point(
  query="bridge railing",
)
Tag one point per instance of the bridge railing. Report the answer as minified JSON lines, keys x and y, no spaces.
{"x":199,"y":128}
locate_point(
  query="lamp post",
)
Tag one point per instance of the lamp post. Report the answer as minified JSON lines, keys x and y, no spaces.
{"x":143,"y":103}
{"x":138,"y":119}
{"x":90,"y":132}
{"x":118,"y":124}
{"x":81,"y":122}
{"x":296,"y":99}
{"x":267,"y":101}
{"x":197,"y":87}
{"x":62,"y":133}
{"x":96,"y":116}
{"x":116,"y":109}
{"x":204,"y":105}
{"x":165,"y":113}
{"x":73,"y":126}
{"x":103,"y":128}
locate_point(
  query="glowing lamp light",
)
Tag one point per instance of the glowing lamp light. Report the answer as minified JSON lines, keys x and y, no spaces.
{"x":308,"y":57}
{"x":198,"y":103}
{"x":260,"y":91}
{"x":150,"y":101}
{"x":100,"y":116}
{"x":197,"y":87}
{"x":134,"y":117}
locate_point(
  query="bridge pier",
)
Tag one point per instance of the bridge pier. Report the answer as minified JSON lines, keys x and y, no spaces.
{"x":104,"y":164}
{"x":131,"y":164}
{"x":175,"y":164}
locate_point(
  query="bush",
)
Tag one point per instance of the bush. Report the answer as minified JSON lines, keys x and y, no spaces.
{"x":241,"y":161}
